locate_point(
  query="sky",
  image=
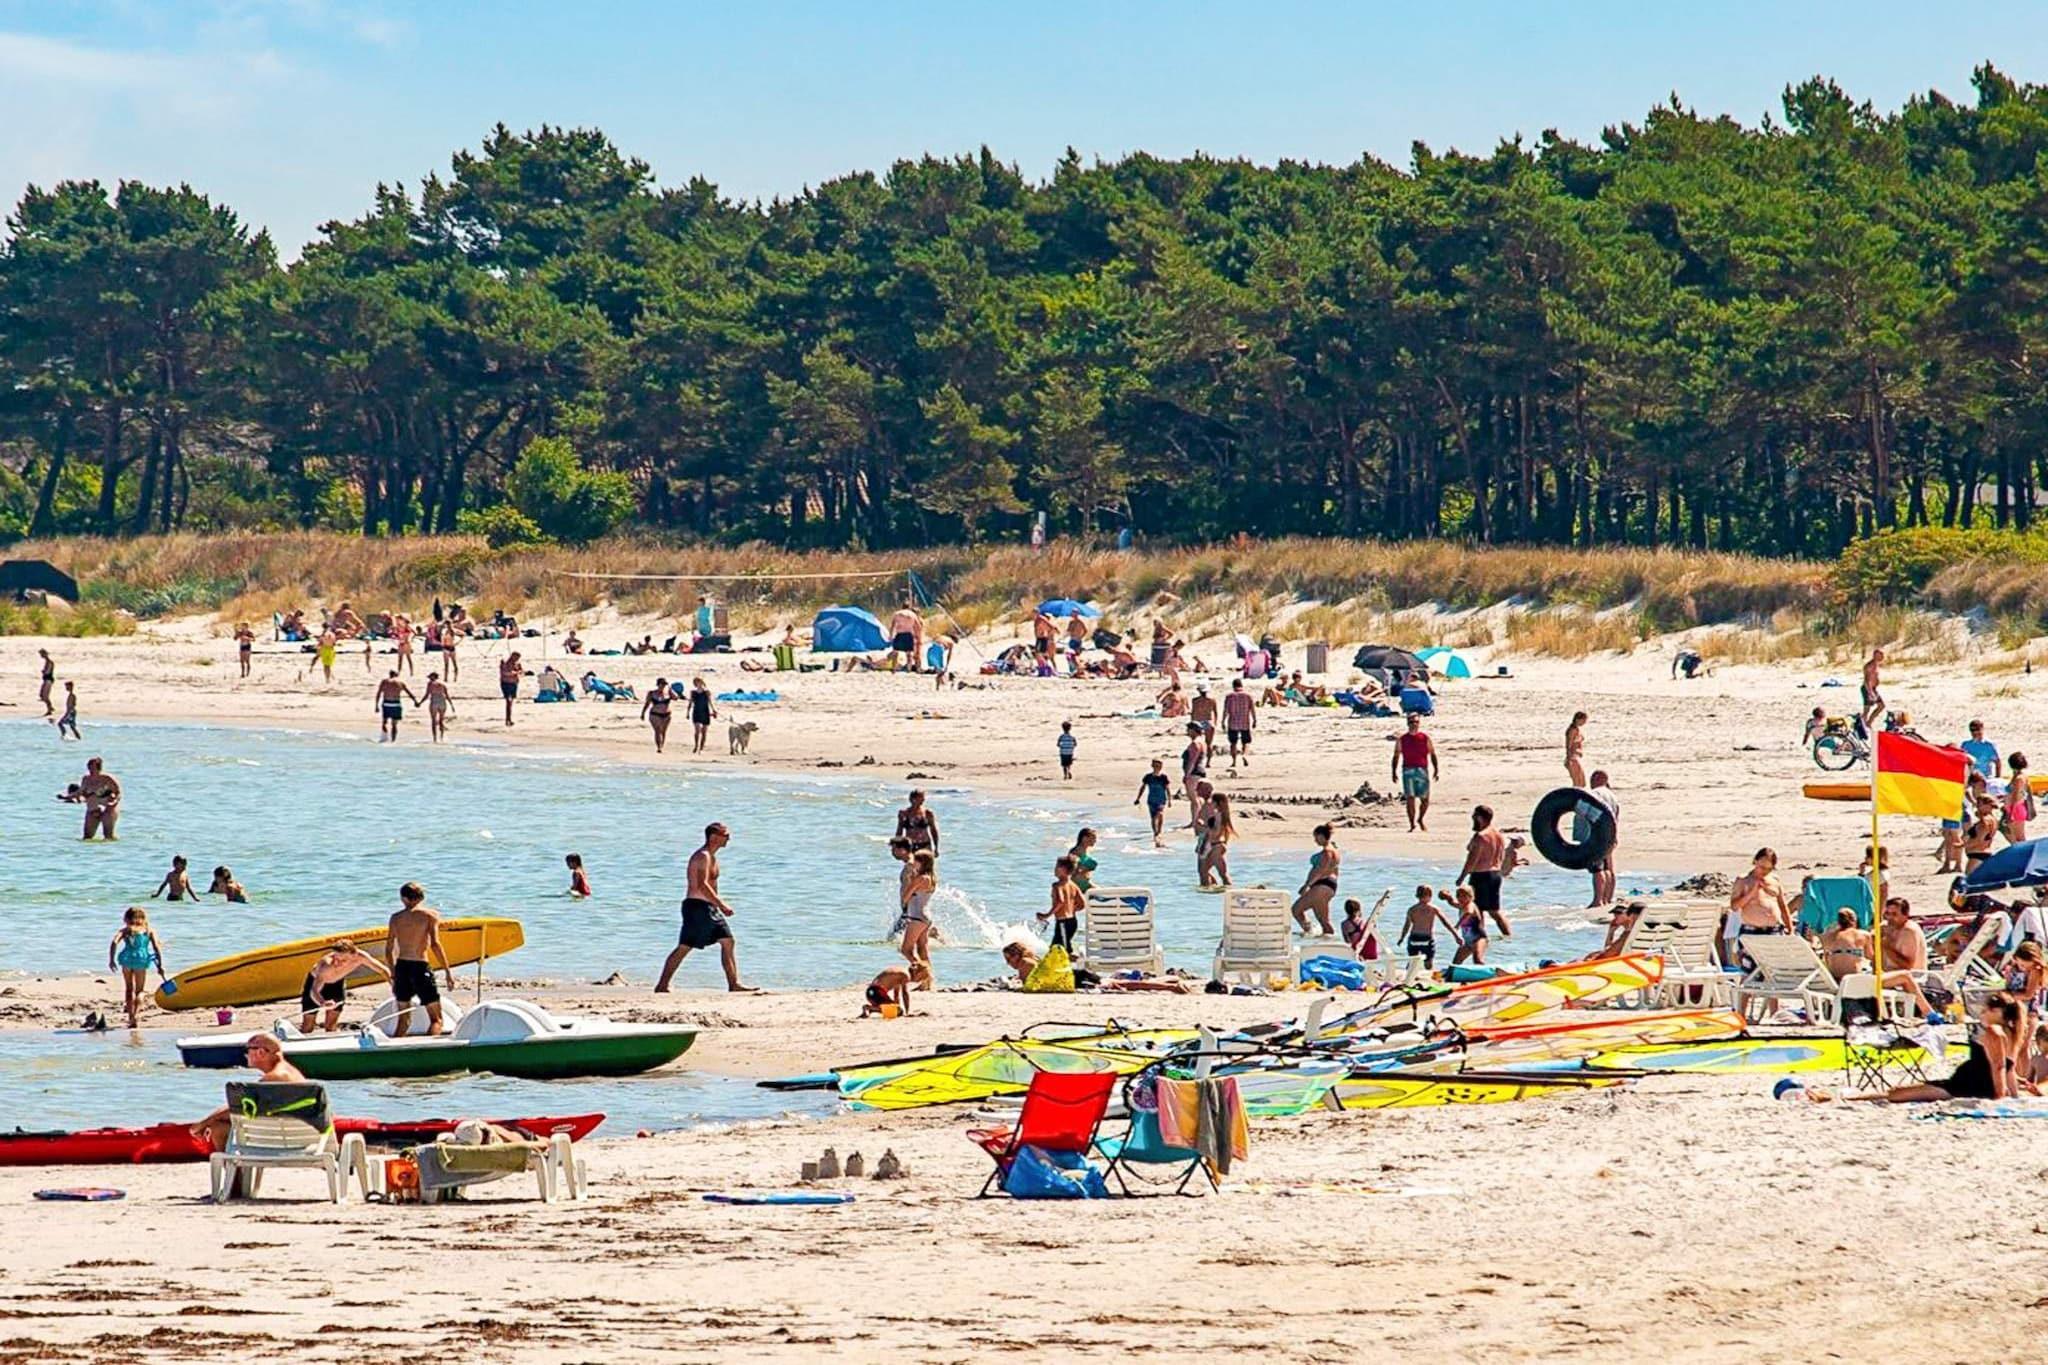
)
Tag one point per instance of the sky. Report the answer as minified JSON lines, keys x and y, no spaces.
{"x":291,"y":111}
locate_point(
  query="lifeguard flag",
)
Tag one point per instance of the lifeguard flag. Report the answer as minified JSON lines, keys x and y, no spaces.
{"x":1917,"y":778}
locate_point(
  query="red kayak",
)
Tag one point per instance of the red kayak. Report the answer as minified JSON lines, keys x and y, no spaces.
{"x":174,"y":1142}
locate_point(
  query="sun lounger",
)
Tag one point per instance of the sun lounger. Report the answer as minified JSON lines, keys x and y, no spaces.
{"x":1258,"y":937}
{"x":446,"y":1166}
{"x":1121,"y":931}
{"x":1786,"y":968}
{"x":1061,"y":1112}
{"x":272,"y":1126}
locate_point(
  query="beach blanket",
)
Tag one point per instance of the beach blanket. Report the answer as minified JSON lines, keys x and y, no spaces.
{"x":1990,"y":1109}
{"x":749,"y":696}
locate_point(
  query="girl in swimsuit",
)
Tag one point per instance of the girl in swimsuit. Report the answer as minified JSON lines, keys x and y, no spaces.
{"x":1217,"y":832}
{"x":655,"y":712}
{"x":133,"y":949}
{"x":917,"y":925}
{"x":700,"y":714}
{"x":1471,"y":927}
{"x":1990,"y":1072}
{"x":1084,"y":861}
{"x":1320,"y":889}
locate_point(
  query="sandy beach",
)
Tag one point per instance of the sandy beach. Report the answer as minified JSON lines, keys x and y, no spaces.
{"x":1690,"y":1218}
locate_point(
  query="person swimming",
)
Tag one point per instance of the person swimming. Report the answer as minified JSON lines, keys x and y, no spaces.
{"x":224,"y":884}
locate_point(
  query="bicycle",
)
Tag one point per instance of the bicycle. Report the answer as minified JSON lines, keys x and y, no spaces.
{"x":1838,"y":747}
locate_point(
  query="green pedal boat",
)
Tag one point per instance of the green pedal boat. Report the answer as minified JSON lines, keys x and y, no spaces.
{"x":505,"y":1037}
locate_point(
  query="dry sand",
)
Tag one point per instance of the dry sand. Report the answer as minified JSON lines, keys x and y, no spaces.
{"x":1691,"y":1218}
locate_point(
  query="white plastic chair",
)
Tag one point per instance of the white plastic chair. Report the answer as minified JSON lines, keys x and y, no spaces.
{"x":258,"y":1144}
{"x":1786,"y":968}
{"x":1121,"y":931}
{"x":1258,"y":937}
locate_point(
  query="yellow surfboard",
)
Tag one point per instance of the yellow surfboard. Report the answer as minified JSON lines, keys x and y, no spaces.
{"x":1860,"y":791}
{"x":277,"y":972}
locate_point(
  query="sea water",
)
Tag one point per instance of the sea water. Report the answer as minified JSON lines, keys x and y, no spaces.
{"x":322,"y":829}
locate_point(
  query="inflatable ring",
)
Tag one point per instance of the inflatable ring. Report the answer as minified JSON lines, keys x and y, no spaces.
{"x":1552,"y":811}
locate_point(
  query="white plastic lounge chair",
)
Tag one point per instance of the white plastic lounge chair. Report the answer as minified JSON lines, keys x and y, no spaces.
{"x":1786,"y":968}
{"x":1970,"y":977}
{"x":1258,"y":937}
{"x":447,"y":1166}
{"x":258,"y":1142}
{"x":1121,"y":931}
{"x":1692,"y":971}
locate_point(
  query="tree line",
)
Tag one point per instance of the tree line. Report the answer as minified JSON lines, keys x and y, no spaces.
{"x":1694,"y":332}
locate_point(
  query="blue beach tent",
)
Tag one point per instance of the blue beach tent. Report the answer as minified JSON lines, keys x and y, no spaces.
{"x":1067,"y":606}
{"x":847,"y":630}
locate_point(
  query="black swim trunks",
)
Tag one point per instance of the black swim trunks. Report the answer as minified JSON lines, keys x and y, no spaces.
{"x":412,"y":979}
{"x":702,"y":924}
{"x":904,"y":642}
{"x":334,"y":993}
{"x":877,"y":996}
{"x":510,"y":689}
{"x":1485,"y":890}
{"x":393,"y":709}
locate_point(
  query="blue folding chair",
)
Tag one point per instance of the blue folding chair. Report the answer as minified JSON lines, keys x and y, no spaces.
{"x":1142,"y":1145}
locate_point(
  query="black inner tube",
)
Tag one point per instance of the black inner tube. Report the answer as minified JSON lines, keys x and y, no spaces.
{"x":1553,"y":810}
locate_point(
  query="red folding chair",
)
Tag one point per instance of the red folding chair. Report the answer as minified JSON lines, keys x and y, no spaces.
{"x":1062,"y":1110}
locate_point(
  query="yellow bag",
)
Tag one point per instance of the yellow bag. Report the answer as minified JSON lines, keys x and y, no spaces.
{"x":1054,"y":973}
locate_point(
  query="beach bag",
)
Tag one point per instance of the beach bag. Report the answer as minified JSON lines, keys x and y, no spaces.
{"x":1038,"y":1174}
{"x":1054,"y":973}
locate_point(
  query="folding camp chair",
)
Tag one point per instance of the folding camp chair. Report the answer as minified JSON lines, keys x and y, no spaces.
{"x":1142,"y":1144}
{"x":1061,"y":1112}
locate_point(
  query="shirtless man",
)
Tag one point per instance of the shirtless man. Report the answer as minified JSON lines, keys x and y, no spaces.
{"x":245,"y":642}
{"x":102,"y":799}
{"x":326,"y":986}
{"x":1873,"y":699}
{"x":440,"y":706}
{"x":389,"y":708}
{"x":264,"y":1053}
{"x":1202,"y":712}
{"x":346,"y":625}
{"x":509,"y":674}
{"x":918,"y":824}
{"x":1043,"y":633}
{"x":1905,"y":952}
{"x":1759,"y":899}
{"x":906,"y":635}
{"x":1486,"y":863}
{"x":411,"y":942}
{"x":704,"y":914}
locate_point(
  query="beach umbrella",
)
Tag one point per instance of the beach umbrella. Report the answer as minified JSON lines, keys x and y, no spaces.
{"x":2024,"y":864}
{"x":1386,"y":657}
{"x":1445,"y":662}
{"x":1067,"y":606}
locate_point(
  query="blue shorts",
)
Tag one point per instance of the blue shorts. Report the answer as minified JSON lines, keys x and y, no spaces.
{"x":1415,"y":782}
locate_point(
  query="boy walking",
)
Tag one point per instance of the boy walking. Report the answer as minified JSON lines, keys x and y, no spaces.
{"x":1067,"y":746}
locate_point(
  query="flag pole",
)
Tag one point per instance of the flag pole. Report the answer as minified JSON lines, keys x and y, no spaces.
{"x":1876,"y":897}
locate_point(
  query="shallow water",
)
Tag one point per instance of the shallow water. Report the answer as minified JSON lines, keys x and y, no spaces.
{"x":322,"y":829}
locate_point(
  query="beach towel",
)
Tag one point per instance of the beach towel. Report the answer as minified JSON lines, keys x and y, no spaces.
{"x":1222,"y":1133}
{"x":1179,"y":1111}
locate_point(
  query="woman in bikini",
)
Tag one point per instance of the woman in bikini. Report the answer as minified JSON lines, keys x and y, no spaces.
{"x":440,"y":706}
{"x":1320,"y":887}
{"x":700,"y":714}
{"x":1845,"y":948}
{"x":917,"y":925}
{"x":655,"y":711}
{"x":1217,"y":832}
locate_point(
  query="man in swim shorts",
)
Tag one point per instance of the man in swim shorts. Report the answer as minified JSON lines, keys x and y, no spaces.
{"x":326,"y":986}
{"x":906,"y":635}
{"x":411,"y":942}
{"x":704,"y":914}
{"x":1873,"y":699}
{"x":1486,"y":856}
{"x":1414,"y":764}
{"x":509,"y":674}
{"x":1240,"y":715}
{"x":390,"y":709}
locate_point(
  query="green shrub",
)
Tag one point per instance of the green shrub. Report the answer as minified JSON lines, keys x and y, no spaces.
{"x":1894,"y":566}
{"x":502,"y":527}
{"x":563,"y":499}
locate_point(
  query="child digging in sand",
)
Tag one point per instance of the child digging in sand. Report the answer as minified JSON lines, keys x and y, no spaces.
{"x":133,"y":949}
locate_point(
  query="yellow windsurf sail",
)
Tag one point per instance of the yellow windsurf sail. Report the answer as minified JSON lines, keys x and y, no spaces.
{"x":1391,"y":1090}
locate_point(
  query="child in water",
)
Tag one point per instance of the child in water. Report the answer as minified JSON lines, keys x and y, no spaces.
{"x":132,"y":950}
{"x":579,"y":885}
{"x":1419,"y":932}
{"x":177,"y":881}
{"x":224,"y":884}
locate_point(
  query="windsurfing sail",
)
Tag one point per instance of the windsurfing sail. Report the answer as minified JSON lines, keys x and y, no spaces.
{"x":1003,"y":1067}
{"x":1507,"y":1000}
{"x":1740,"y":1056}
{"x":1402,"y":1090}
{"x":1498,"y":1048}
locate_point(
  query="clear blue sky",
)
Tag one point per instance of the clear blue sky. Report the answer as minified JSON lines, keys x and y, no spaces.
{"x":291,"y":110}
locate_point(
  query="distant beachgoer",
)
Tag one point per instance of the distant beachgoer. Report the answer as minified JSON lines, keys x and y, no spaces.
{"x":510,"y":671}
{"x":324,"y":651}
{"x":224,"y":884}
{"x":1575,"y":749}
{"x":1155,"y":789}
{"x":1471,"y":926}
{"x":391,"y":707}
{"x":705,"y":914}
{"x":49,"y":679}
{"x":1873,"y":696}
{"x":579,"y":883}
{"x":1981,"y":837}
{"x":72,"y":795}
{"x":1240,"y":715}
{"x":401,"y":636}
{"x":889,"y":993}
{"x":1067,"y":745}
{"x":1162,"y":643}
{"x":1983,"y":753}
{"x":917,"y":895}
{"x":1905,"y":952}
{"x":177,"y":881}
{"x":1486,"y":855}
{"x":1415,"y":768}
{"x":655,"y":711}
{"x":1418,"y":930}
{"x":701,"y":713}
{"x":1043,"y":633}
{"x":449,"y":636}
{"x":1194,"y":766}
{"x":1202,"y":711}
{"x":69,"y":720}
{"x":245,"y":645}
{"x":906,"y":636}
{"x":440,"y":705}
{"x":918,"y":824}
{"x":1212,"y":862}
{"x":2019,"y":798}
{"x":1352,"y":926}
{"x":570,"y":643}
{"x":265,"y":1054}
{"x":1172,"y":703}
{"x":412,"y":941}
{"x":1845,"y":948}
{"x":102,"y":795}
{"x":1619,"y":925}
{"x":1319,"y":888}
{"x":326,"y":986}
{"x":133,"y":950}
{"x":1066,"y":906}
{"x":1602,"y":872}
{"x":346,"y":624}
{"x":1084,"y":858}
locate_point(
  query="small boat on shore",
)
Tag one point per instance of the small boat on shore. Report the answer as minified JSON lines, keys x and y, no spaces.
{"x":263,"y":975}
{"x":504,"y":1037}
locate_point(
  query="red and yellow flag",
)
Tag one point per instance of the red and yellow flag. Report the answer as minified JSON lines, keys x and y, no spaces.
{"x":1914,"y":777}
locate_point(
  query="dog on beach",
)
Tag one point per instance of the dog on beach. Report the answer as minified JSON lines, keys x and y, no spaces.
{"x":739,"y":733}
